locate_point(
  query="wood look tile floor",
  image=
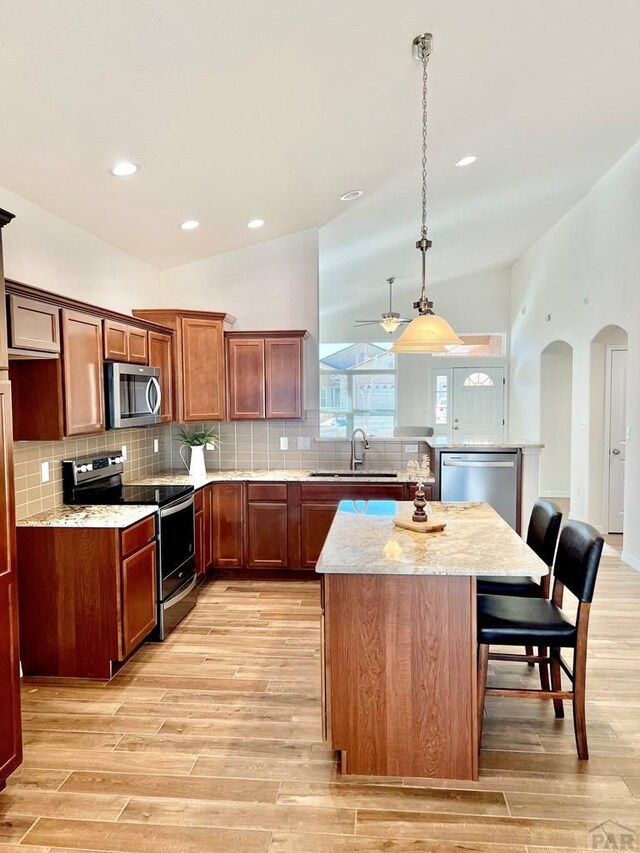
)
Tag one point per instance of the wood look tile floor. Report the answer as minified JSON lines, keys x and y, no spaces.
{"x":211,"y":742}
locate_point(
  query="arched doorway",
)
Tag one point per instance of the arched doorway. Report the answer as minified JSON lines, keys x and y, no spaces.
{"x":607,"y":435}
{"x":556,"y":385}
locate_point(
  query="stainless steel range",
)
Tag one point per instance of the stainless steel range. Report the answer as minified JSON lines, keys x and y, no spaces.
{"x":98,"y":480}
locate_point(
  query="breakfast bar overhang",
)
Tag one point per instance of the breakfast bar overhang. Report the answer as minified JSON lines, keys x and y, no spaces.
{"x":399,"y":634}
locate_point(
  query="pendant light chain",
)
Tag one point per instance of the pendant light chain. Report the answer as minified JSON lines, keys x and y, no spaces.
{"x":425,"y":62}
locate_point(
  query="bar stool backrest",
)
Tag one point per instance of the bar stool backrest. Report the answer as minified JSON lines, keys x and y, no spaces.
{"x":577,"y":561}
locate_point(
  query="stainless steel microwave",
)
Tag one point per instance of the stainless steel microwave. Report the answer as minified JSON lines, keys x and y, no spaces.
{"x":133,"y":395}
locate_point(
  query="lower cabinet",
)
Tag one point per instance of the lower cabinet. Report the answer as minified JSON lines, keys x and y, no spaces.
{"x":87,"y":597}
{"x":10,"y":722}
{"x":227,"y":525}
{"x":315,"y":521}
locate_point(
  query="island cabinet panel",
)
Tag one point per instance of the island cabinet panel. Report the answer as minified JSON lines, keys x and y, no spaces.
{"x":82,"y":373}
{"x":267,"y":534}
{"x":84,"y":605}
{"x":400,"y":661}
{"x":161,"y":356}
{"x":245,"y":378}
{"x":33,"y":325}
{"x":283,"y":377}
{"x":227,"y":523}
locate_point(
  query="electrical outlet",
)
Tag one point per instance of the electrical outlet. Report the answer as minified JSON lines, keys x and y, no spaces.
{"x":123,"y":452}
{"x":304,"y":442}
{"x":44,"y":475}
{"x":284,"y":442}
{"x":156,"y":445}
{"x":409,"y":448}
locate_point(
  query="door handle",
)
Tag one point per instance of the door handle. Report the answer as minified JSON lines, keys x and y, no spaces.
{"x":615,"y":451}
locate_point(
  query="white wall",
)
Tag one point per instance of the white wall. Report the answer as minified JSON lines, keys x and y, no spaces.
{"x":585,"y":274}
{"x":555,"y":421}
{"x":45,"y":251}
{"x":272,"y":285}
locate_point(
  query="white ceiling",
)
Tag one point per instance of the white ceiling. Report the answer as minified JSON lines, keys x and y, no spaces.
{"x":237,"y":109}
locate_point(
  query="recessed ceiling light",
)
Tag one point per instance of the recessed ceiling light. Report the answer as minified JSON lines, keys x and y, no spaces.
{"x":467,"y":161}
{"x":255,"y":223}
{"x":124,"y":169}
{"x":190,"y":224}
{"x":351,"y":195}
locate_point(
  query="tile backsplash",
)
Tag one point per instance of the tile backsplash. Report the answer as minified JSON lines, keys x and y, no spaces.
{"x":256,"y":445}
{"x":34,"y":496}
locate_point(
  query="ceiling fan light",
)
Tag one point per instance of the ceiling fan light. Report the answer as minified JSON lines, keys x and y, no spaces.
{"x":390,"y":323}
{"x":427,"y":333}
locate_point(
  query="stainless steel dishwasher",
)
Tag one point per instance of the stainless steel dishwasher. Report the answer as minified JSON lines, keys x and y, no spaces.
{"x":480,"y":476}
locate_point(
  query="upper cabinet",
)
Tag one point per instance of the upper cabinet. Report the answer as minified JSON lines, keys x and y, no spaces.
{"x":123,"y":342}
{"x":33,"y":325}
{"x":82,"y":373}
{"x":265,"y":375}
{"x":199,"y":367}
{"x":161,"y":356}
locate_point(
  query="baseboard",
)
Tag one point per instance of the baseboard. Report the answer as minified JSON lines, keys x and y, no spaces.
{"x":630,"y":560}
{"x":549,"y":493}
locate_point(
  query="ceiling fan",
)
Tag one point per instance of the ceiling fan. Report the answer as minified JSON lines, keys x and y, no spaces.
{"x":390,"y":320}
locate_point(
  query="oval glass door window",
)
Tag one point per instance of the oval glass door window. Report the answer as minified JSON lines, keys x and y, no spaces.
{"x":478,"y":380}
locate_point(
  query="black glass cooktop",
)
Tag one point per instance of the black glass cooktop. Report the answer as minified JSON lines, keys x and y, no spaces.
{"x":147,"y":494}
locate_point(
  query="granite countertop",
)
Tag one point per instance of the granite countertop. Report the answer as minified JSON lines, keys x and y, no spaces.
{"x":476,"y":541}
{"x":177,"y":478}
{"x":488,"y":446}
{"x":89,"y":516}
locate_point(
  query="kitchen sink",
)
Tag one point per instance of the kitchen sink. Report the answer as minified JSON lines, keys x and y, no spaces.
{"x":363,"y":474}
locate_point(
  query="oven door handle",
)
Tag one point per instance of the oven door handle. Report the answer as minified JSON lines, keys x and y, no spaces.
{"x":173,"y":601}
{"x":170,"y":510}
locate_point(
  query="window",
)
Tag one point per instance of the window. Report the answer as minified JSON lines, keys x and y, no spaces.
{"x":477,"y":380}
{"x":357,"y":389}
{"x":442,"y":399}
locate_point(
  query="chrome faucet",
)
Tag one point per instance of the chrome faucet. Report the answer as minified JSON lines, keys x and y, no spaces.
{"x":358,"y":460}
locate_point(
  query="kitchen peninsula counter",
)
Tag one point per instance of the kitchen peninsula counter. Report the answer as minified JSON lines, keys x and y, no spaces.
{"x":399,"y":635}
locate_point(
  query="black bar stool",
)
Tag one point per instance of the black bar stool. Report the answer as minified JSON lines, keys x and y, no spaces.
{"x":528,"y":621}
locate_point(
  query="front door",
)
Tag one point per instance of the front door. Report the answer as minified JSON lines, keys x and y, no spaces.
{"x":478,"y":404}
{"x":617,"y":379}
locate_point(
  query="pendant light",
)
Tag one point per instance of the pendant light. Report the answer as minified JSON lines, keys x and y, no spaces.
{"x":427,"y":332}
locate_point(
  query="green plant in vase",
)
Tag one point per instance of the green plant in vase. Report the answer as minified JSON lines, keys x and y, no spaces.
{"x":197,"y":440}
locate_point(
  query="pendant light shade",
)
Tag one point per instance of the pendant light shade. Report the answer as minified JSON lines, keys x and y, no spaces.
{"x":427,"y":332}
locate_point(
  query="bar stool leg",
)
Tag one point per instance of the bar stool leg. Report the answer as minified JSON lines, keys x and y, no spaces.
{"x":556,"y":683}
{"x":579,"y":717}
{"x":544,"y":668}
{"x":529,"y":651}
{"x":483,"y":667}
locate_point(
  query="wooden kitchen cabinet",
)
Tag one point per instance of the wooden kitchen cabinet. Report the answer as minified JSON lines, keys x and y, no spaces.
{"x":82,"y":373}
{"x":200,"y":558}
{"x":267,"y":526}
{"x":87,"y":597}
{"x":199,"y":366}
{"x":10,"y":720}
{"x":264,"y":375}
{"x":227,"y":525}
{"x":161,"y":356}
{"x":33,"y":325}
{"x":123,"y":342}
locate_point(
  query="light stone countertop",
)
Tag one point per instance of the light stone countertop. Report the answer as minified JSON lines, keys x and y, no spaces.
{"x":486,"y":446}
{"x":89,"y":516}
{"x":476,"y":541}
{"x":177,"y":478}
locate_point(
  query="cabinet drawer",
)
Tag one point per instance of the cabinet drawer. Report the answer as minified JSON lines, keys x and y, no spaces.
{"x":351,"y":491}
{"x":137,"y":536}
{"x":267,"y":491}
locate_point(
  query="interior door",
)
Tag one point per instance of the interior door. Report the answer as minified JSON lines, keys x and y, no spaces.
{"x":617,"y":396}
{"x":478,"y":404}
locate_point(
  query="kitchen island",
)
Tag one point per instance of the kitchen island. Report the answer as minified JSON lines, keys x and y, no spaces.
{"x":399,"y":634}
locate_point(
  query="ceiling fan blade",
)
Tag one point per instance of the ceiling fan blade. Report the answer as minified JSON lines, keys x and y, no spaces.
{"x":366,"y":322}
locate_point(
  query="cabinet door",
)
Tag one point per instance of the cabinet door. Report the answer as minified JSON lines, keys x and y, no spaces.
{"x":315,"y":521}
{"x":161,"y":355}
{"x":116,"y":341}
{"x":283,"y":371}
{"x":10,"y":725}
{"x":245,"y":378}
{"x":139,"y":596}
{"x":200,"y":548}
{"x":202,"y":370}
{"x":138,"y":345}
{"x":208,"y":526}
{"x":33,"y":325}
{"x":267,"y":535}
{"x":82,"y":373}
{"x":227,"y":510}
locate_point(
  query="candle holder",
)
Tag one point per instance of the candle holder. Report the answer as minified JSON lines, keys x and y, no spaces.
{"x":420,"y":503}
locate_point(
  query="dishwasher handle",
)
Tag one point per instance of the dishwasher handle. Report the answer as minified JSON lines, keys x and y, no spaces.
{"x":454,"y":463}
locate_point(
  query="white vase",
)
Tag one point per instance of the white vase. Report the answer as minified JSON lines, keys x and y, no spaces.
{"x":196,"y":465}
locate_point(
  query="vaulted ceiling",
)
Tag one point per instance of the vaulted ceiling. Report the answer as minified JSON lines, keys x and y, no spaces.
{"x":236,"y":109}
